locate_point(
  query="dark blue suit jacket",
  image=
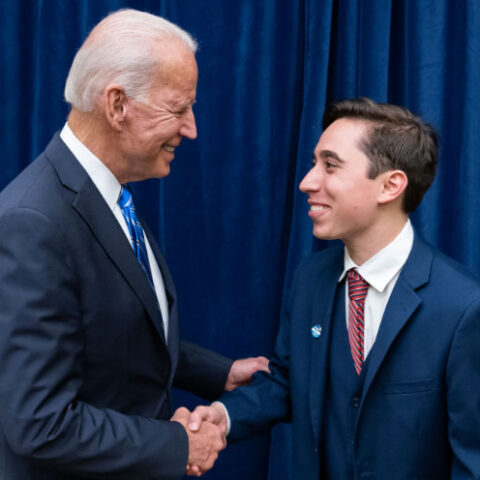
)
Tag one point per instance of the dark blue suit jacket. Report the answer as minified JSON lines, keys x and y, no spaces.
{"x":85,"y":372}
{"x":419,"y":412}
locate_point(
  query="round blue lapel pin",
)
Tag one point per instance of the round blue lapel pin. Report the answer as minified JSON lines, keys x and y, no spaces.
{"x":316,"y":331}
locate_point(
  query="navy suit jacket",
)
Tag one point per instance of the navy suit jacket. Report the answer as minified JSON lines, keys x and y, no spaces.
{"x":85,"y":372}
{"x":419,"y":412}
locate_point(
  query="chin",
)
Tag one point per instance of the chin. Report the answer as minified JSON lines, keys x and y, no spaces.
{"x":164,"y":172}
{"x":162,"y":169}
{"x":322,"y":235}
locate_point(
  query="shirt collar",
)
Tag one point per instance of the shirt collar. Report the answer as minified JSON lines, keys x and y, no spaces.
{"x":101,"y":176}
{"x":380,"y":269}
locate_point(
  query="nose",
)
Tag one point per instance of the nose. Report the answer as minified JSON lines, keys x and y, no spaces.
{"x":311,"y":181}
{"x":189,"y":127}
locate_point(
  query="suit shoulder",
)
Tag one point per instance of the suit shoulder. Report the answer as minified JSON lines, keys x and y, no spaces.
{"x":453,"y":275}
{"x":32,"y":178}
{"x":319,"y":262}
{"x":443,"y":283}
{"x":37,"y":188}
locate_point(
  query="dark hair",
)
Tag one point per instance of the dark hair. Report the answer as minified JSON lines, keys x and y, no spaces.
{"x":396,"y":140}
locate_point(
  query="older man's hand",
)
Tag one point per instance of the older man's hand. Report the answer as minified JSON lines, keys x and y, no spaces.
{"x":204,"y":444}
{"x":242,"y":370}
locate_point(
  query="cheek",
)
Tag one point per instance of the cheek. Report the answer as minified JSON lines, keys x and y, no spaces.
{"x":363,"y":205}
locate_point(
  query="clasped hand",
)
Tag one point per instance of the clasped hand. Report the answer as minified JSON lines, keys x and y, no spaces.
{"x":206,"y":429}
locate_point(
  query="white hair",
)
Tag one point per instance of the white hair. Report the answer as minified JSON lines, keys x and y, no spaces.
{"x":118,"y":51}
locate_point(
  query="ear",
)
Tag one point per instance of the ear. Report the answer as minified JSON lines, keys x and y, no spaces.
{"x":115,"y":106}
{"x":393,"y":185}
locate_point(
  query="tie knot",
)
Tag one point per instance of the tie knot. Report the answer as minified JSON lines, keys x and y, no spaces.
{"x":357,"y":286}
{"x":125,"y":199}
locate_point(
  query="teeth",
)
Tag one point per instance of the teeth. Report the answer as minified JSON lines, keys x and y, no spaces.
{"x":168,"y":148}
{"x":317,"y":208}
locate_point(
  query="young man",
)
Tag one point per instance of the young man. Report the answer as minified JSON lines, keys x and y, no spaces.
{"x":378,"y":354}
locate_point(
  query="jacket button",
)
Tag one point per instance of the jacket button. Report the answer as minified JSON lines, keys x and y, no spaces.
{"x":355,"y":402}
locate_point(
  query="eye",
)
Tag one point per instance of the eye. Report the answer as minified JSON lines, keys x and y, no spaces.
{"x":329,"y":165}
{"x":181,"y":111}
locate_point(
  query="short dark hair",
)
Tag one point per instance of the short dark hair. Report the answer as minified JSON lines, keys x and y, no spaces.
{"x":397,"y":140}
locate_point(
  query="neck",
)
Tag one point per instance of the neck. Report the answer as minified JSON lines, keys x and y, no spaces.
{"x":364,"y":247}
{"x":91,"y":129}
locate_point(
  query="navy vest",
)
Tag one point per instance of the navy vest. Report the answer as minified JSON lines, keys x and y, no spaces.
{"x":343,"y":393}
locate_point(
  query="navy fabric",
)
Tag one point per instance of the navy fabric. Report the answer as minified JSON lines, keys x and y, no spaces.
{"x":343,"y":391}
{"x":80,"y":321}
{"x":230,"y":219}
{"x":418,"y":409}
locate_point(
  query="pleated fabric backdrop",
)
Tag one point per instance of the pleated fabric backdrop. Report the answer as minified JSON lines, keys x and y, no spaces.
{"x":230,"y":218}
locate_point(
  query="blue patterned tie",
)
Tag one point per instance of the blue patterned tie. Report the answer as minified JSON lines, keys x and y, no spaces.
{"x":125,"y":201}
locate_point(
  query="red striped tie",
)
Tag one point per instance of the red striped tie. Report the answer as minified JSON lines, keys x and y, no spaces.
{"x":357,"y":291}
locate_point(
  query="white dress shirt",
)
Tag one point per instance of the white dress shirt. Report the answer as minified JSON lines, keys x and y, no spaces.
{"x":381,"y":273}
{"x":110,"y":188}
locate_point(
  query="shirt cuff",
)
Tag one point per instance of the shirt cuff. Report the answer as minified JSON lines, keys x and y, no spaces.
{"x":224,"y":408}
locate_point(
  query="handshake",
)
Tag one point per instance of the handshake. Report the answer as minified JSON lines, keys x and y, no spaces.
{"x":206,"y":428}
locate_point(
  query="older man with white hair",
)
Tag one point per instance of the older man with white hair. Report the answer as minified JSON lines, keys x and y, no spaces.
{"x":90,"y":340}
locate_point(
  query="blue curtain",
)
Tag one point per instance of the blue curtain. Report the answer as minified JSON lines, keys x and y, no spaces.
{"x":230,"y":218}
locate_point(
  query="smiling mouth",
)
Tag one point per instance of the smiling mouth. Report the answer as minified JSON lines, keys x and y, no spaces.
{"x":169,"y":148}
{"x":318,"y":208}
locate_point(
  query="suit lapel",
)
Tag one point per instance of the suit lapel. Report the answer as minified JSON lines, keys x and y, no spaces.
{"x":173,"y":333}
{"x":167,"y":277}
{"x":322,"y":312}
{"x":402,"y":304}
{"x":91,"y":206}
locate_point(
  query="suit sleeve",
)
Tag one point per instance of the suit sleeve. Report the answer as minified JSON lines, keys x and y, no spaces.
{"x":201,"y":371}
{"x":266,"y":401}
{"x":41,"y":352}
{"x":463,"y":396}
